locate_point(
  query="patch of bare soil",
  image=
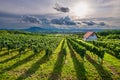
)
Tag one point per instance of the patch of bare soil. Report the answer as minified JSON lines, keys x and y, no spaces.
{"x":114,"y":70}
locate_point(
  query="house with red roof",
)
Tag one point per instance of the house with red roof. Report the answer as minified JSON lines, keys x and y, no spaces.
{"x":90,"y":36}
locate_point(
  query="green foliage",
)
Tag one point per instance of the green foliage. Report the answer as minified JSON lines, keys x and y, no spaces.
{"x":113,"y":36}
{"x":111,"y":47}
{"x":97,"y":51}
{"x":36,"y":43}
{"x":39,"y":58}
{"x":79,"y":49}
{"x":107,"y":32}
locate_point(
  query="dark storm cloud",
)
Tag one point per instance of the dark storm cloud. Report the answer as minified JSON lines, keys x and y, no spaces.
{"x":61,"y":8}
{"x":89,"y":23}
{"x":102,"y":24}
{"x":92,"y":23}
{"x":63,"y":21}
{"x":44,"y":21}
{"x":31,"y":19}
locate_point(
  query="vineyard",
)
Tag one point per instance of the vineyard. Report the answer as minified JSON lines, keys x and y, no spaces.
{"x":27,"y":56}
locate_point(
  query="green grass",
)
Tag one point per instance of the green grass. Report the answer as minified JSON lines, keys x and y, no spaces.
{"x":112,"y":60}
{"x":63,"y":64}
{"x":113,"y":65}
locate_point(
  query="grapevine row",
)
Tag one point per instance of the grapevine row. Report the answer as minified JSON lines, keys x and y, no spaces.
{"x":23,"y":42}
{"x":79,"y":49}
{"x":110,"y":48}
{"x":97,"y":51}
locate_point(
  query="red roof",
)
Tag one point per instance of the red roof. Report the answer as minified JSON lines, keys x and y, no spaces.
{"x":88,"y":34}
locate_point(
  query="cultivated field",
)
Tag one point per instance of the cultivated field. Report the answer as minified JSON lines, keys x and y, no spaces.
{"x":28,"y":56}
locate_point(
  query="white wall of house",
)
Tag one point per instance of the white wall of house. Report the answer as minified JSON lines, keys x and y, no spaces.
{"x":91,"y":38}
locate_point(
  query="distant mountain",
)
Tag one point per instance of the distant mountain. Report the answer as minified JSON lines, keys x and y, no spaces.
{"x":53,"y":30}
{"x":56,"y":30}
{"x":33,"y":29}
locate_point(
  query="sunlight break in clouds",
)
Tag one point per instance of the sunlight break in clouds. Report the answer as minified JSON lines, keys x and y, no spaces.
{"x":82,"y":9}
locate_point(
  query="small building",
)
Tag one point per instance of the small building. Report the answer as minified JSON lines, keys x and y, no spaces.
{"x":90,"y":36}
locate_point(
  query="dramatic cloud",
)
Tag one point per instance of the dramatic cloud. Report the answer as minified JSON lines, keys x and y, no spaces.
{"x":44,"y":21}
{"x":61,"y":9}
{"x":63,"y":21}
{"x":102,"y":24}
{"x":89,"y":23}
{"x":31,"y":19}
{"x":108,"y":8}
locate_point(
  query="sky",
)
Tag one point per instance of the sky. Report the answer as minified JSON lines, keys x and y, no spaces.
{"x":75,"y":9}
{"x":98,"y":8}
